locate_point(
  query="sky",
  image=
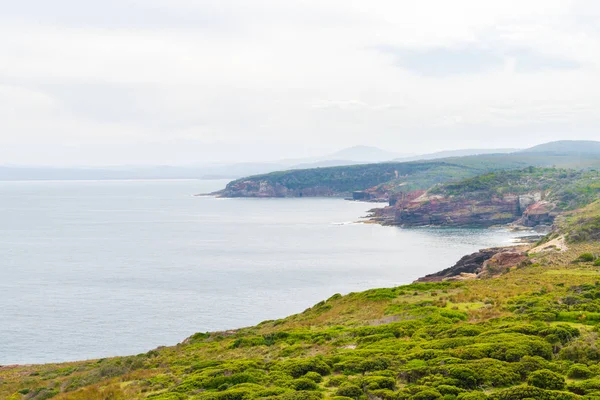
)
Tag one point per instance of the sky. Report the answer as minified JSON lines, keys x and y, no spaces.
{"x":185,"y":82}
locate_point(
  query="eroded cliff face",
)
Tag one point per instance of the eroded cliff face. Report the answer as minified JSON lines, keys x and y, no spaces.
{"x":539,"y":213}
{"x":263,"y":188}
{"x":458,"y":212}
{"x":424,"y":209}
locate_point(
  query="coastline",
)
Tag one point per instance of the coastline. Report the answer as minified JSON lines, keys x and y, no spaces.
{"x":233,"y":331}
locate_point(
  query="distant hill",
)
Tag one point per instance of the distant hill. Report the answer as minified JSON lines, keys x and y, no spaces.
{"x":567,"y":147}
{"x":364,"y":154}
{"x":455,"y":153}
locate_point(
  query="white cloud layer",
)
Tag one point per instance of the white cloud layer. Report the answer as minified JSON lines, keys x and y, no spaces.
{"x":196,"y":81}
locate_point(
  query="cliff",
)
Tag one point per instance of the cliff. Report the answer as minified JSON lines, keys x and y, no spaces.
{"x":529,"y":197}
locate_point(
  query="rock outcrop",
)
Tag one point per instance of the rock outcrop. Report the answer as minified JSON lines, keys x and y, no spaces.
{"x":485,"y":263}
{"x":458,"y":212}
{"x":469,"y":264}
{"x":421,"y":208}
{"x":502,"y":262}
{"x":538,"y":213}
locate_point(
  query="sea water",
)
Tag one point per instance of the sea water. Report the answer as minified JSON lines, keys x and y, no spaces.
{"x":102,"y":268}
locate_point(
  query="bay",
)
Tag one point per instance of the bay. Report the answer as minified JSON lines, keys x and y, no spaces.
{"x":92,"y":269}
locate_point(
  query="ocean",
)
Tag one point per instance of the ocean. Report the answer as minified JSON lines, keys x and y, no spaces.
{"x":92,"y":269}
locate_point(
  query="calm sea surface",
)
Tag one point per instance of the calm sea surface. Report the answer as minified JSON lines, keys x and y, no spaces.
{"x":97,"y":269}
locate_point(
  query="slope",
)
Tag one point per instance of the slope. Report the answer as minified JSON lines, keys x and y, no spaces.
{"x":396,"y":177}
{"x":528,"y":333}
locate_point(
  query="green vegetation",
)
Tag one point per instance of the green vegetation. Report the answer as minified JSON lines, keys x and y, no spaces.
{"x":529,"y":333}
{"x":582,"y":225}
{"x":344,"y":180}
{"x":568,"y":189}
{"x":402,"y":176}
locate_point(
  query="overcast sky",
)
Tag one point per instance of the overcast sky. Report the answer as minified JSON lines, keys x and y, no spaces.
{"x":88,"y":82}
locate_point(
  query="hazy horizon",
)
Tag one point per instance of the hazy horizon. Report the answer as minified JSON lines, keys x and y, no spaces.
{"x":184,"y":82}
{"x":289,"y":160}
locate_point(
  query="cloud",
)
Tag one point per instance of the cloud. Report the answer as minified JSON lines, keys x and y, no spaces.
{"x":353,"y":105}
{"x":288,"y":79}
{"x":448,"y":61}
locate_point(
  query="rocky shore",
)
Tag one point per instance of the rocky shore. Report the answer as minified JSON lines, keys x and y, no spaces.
{"x":425,"y":209}
{"x":485,"y":263}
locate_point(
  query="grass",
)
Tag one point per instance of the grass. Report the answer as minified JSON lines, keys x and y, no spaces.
{"x":582,"y":225}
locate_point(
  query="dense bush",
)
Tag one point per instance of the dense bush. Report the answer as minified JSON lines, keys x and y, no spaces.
{"x":378,"y":382}
{"x":585,"y":387}
{"x":530,"y":392}
{"x":451,"y":390}
{"x":586,"y":257}
{"x":472,"y":396}
{"x":579,"y":371}
{"x":313,"y":376}
{"x":546,"y":379}
{"x":300,"y":396}
{"x":300,"y":367}
{"x":349,"y":390}
{"x":428,"y":394}
{"x":580,"y":351}
{"x":304,"y":384}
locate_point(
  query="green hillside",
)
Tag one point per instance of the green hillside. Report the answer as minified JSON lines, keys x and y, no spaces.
{"x":567,"y":147}
{"x":529,"y":333}
{"x":568,"y":189}
{"x":405,"y":176}
{"x":344,"y":180}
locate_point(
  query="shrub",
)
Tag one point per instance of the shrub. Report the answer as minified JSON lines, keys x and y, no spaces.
{"x":300,"y":367}
{"x":580,"y":351}
{"x":234,"y":394}
{"x":270,"y":392}
{"x":546,"y":379}
{"x":585,"y":387}
{"x":472,"y":396}
{"x":336,"y":380}
{"x":579,"y":371}
{"x":586,"y":257}
{"x":304,"y":384}
{"x":529,"y":364}
{"x":349,"y":390}
{"x":447,"y":389}
{"x":248,"y":342}
{"x":428,"y":394}
{"x":313,"y":376}
{"x":376,"y":364}
{"x":520,"y":393}
{"x":383,"y":394}
{"x":301,"y":396}
{"x":465,"y":376}
{"x":169,"y":396}
{"x":378,"y":382}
